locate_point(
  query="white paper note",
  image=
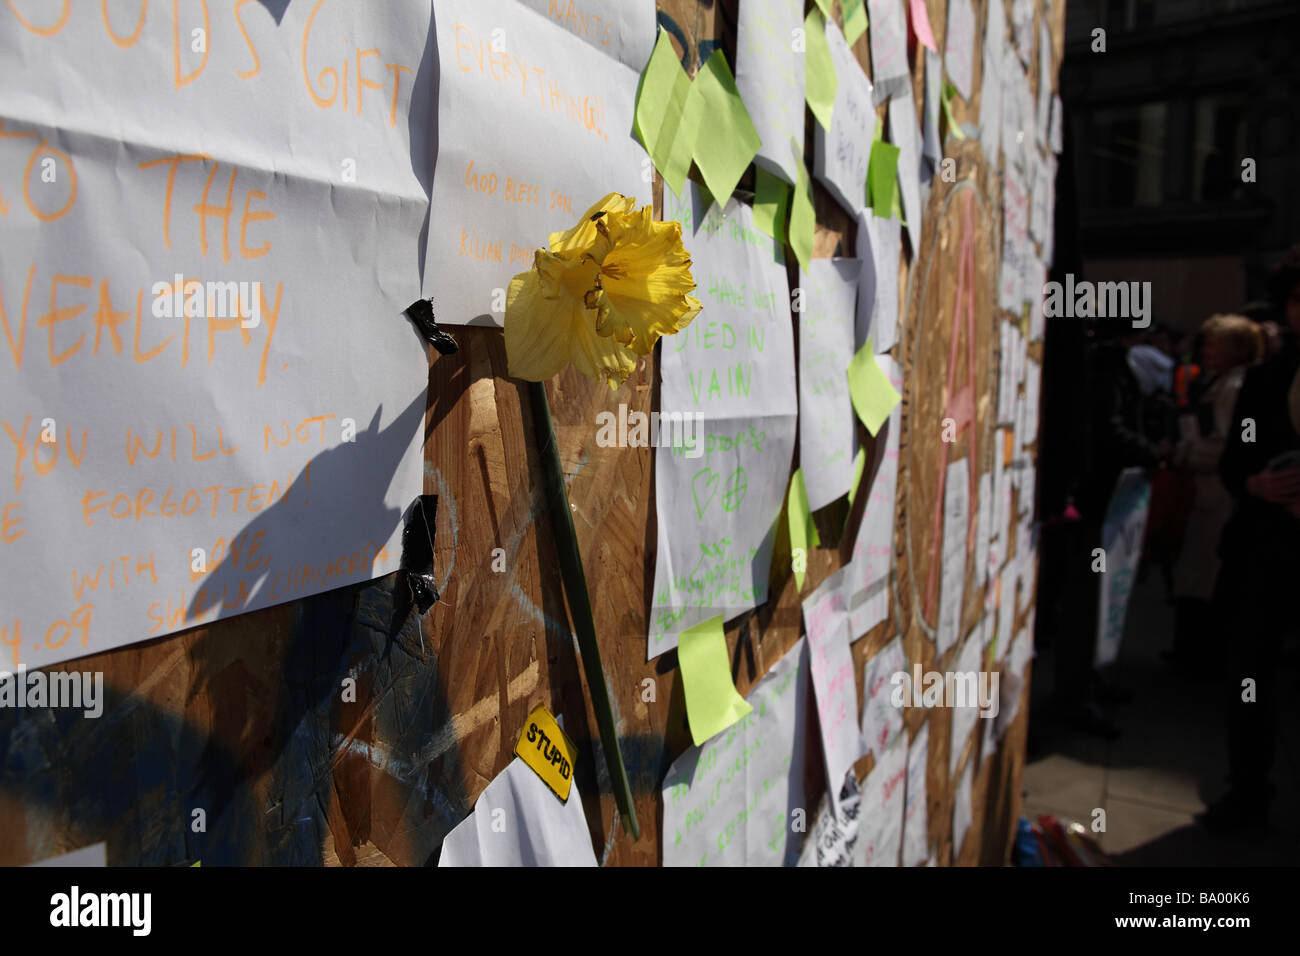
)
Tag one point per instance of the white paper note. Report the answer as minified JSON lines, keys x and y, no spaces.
{"x":834,"y":837}
{"x":1012,"y":685}
{"x":1006,"y":393}
{"x":1006,"y":611}
{"x":623,"y":29}
{"x":932,"y":148}
{"x":999,"y":480}
{"x":1037,"y":320}
{"x":983,"y":524}
{"x":888,"y":30}
{"x":1015,"y":231}
{"x":533,"y":126}
{"x":956,"y":519}
{"x":961,"y":808}
{"x":1049,"y":237}
{"x":881,"y":720}
{"x":1028,"y":480}
{"x":873,"y":549}
{"x":827,"y":623}
{"x":991,"y":82}
{"x":1027,"y":113}
{"x":1040,"y":217}
{"x":1012,"y":76}
{"x":246,"y":434}
{"x":1056,"y":139}
{"x":518,"y":821}
{"x":879,"y":249}
{"x":906,"y":135}
{"x":1022,"y":19}
{"x":730,"y":802}
{"x":827,"y":437}
{"x":843,"y":152}
{"x":734,"y":364}
{"x":916,"y":837}
{"x":880,"y":836}
{"x":1001,"y":493}
{"x":964,"y":717}
{"x":1044,"y":82}
{"x":959,"y":52}
{"x":1033,"y":381}
{"x":770,"y":78}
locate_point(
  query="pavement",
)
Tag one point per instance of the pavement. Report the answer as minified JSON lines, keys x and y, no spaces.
{"x":1169,"y":762}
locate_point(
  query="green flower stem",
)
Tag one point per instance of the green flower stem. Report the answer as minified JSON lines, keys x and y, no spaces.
{"x":575,"y":589}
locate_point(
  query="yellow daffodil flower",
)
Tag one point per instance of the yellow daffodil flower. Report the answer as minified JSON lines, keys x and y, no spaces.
{"x":603,"y":294}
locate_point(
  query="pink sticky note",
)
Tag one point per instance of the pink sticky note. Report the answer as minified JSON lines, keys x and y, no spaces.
{"x":921,"y":25}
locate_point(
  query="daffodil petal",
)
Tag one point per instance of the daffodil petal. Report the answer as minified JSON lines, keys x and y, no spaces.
{"x":537,"y":329}
{"x":581,"y":236}
{"x":646,"y":280}
{"x":598,"y":356}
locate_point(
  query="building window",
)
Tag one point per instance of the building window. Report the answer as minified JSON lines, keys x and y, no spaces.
{"x":1126,"y":148}
{"x":1218,"y":146}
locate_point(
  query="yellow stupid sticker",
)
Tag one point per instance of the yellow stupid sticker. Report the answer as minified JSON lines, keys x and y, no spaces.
{"x":545,"y":748}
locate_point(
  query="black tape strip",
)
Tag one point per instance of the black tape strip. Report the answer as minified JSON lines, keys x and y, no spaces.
{"x":420,"y":312}
{"x":417,"y":552}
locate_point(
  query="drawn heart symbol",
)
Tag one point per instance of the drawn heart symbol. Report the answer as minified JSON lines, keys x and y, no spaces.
{"x":710,"y":486}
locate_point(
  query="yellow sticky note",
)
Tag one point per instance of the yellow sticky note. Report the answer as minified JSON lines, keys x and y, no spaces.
{"x":873,"y":395}
{"x":548,"y":750}
{"x":712,"y":704}
{"x":803,"y":532}
{"x":732,"y":142}
{"x":819,"y":69}
{"x":859,"y":466}
{"x":667,"y":114}
{"x":855,"y":19}
{"x":826,"y":7}
{"x":771,"y":203}
{"x":803,"y":219}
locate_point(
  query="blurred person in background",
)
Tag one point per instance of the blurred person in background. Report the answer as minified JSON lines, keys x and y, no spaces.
{"x":1188,"y":370}
{"x":1272,"y":333}
{"x":1260,"y":549}
{"x":1231,"y":344}
{"x":1116,"y":436}
{"x":1154,"y":361}
{"x":1265,"y":315}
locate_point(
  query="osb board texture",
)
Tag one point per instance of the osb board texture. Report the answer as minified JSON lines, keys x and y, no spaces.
{"x":243,"y":719}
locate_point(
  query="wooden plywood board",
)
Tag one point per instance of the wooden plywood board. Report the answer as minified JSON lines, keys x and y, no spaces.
{"x":246,"y":721}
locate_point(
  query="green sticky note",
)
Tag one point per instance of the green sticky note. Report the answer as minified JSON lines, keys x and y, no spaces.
{"x":732,"y":142}
{"x":859,"y":466}
{"x":873,"y":395}
{"x":803,"y":532}
{"x":667,"y":114}
{"x":771,"y":203}
{"x":712,"y":704}
{"x":826,"y":7}
{"x":803,"y":219}
{"x":819,"y":70}
{"x":882,"y":177}
{"x":855,"y":19}
{"x":945,"y":97}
